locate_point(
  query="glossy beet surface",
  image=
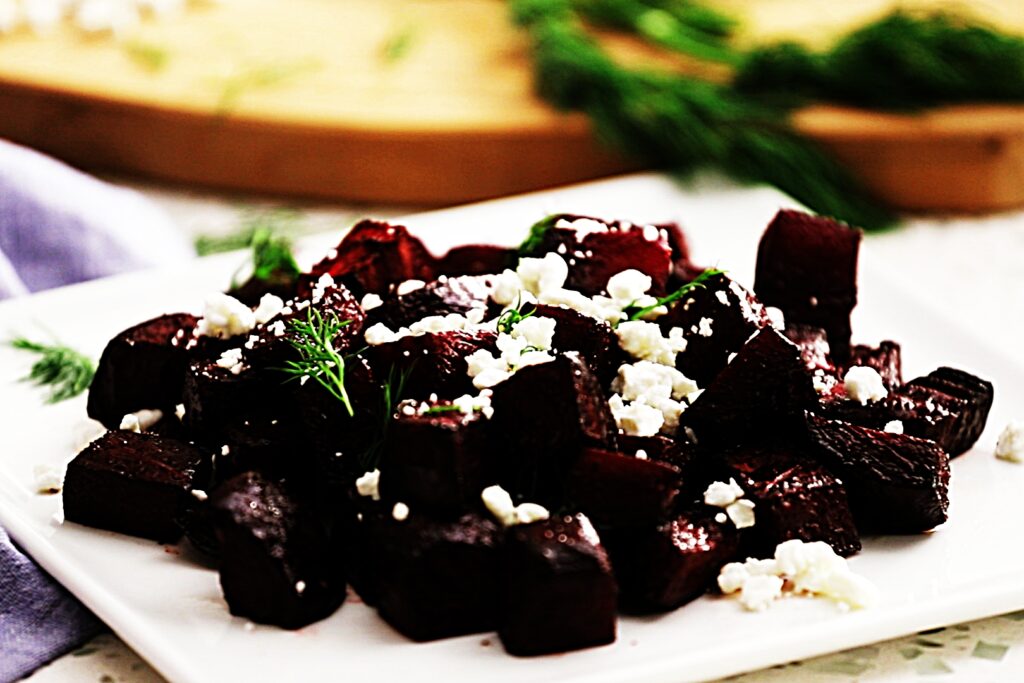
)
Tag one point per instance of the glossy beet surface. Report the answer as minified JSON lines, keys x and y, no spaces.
{"x":660,"y":568}
{"x":619,"y":490}
{"x":967,"y":397}
{"x":559,"y":591}
{"x":476,"y":259}
{"x":431,"y":363}
{"x":142,"y":367}
{"x":895,"y":483}
{"x":133,"y":483}
{"x":807,"y":266}
{"x":441,"y":297}
{"x":593,"y":339}
{"x":275,"y":564}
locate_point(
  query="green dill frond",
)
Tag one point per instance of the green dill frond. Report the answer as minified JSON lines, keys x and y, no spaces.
{"x":513,"y":316}
{"x":538,"y":231}
{"x":272,"y":255}
{"x":314,"y":339}
{"x":398,"y":45}
{"x":67,"y":372}
{"x":698,"y":282}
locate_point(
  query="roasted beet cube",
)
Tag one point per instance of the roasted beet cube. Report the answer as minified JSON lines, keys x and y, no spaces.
{"x":559,"y":591}
{"x":275,"y":561}
{"x":761,"y":394}
{"x":596,"y":250}
{"x":438,"y":579}
{"x":431,"y":363}
{"x":546,"y":415}
{"x":660,"y":568}
{"x":679,"y":454}
{"x":794,"y":497}
{"x":807,"y":266}
{"x":885,"y":359}
{"x":716,"y":320}
{"x":593,"y":339}
{"x":443,"y":296}
{"x":133,"y":483}
{"x":960,"y":393}
{"x":437,"y":458}
{"x":616,"y":490}
{"x":895,"y":483}
{"x":373,"y":256}
{"x":142,"y":367}
{"x":476,"y":259}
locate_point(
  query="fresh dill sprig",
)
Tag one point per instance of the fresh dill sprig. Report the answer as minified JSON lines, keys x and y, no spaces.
{"x":397,"y":46}
{"x":67,"y":372}
{"x":513,"y":316}
{"x":538,"y":231}
{"x":272,"y":255}
{"x":268,"y":234}
{"x":314,"y":340}
{"x":636,"y":313}
{"x":276,"y":221}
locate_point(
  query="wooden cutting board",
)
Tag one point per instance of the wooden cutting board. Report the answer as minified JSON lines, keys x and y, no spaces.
{"x":423,"y":102}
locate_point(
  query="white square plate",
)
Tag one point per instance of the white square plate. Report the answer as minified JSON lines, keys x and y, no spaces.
{"x":170,"y":610}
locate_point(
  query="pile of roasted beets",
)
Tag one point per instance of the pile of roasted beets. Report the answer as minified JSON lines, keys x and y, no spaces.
{"x":260,"y":472}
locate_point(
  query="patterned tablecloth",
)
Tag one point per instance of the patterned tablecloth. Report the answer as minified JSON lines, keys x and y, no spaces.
{"x":934,"y":255}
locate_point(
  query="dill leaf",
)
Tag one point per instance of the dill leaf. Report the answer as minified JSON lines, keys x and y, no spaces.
{"x":67,"y":372}
{"x":698,"y":282}
{"x":314,"y":339}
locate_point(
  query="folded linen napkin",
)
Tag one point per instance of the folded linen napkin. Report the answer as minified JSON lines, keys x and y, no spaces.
{"x":59,"y":226}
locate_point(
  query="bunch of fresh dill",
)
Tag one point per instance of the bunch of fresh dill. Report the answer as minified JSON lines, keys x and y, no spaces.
{"x":67,"y":372}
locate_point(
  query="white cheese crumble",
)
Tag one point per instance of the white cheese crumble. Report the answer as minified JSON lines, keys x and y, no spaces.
{"x":400,"y":512}
{"x":704,"y":327}
{"x":864,"y":384}
{"x":499,"y":503}
{"x":643,"y":340}
{"x":269,"y":307}
{"x":224,"y":317}
{"x":893,"y":427}
{"x":542,"y":274}
{"x":370,"y":302}
{"x":628,"y":286}
{"x":776,"y":317}
{"x":506,"y":288}
{"x":409,"y":286}
{"x":722,"y":297}
{"x":179,"y":411}
{"x":729,"y":496}
{"x":527,"y":344}
{"x":798,"y":567}
{"x":200,"y":495}
{"x":368,"y":485}
{"x":471,"y":404}
{"x":300,"y":587}
{"x":231,"y":360}
{"x":49,"y":479}
{"x":741,"y":513}
{"x":323,"y":283}
{"x":636,"y":419}
{"x":1010,"y":446}
{"x":141,"y":420}
{"x":277,"y":328}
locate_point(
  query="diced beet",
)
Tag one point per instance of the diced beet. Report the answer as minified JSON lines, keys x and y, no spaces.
{"x":546,"y":415}
{"x":596,"y":250}
{"x":716,"y":320}
{"x":438,"y":579}
{"x":761,"y":394}
{"x":280,"y":284}
{"x":142,"y":367}
{"x":794,"y":497}
{"x":814,"y":349}
{"x":885,"y":359}
{"x":807,"y":266}
{"x":660,"y":568}
{"x":593,"y":339}
{"x":895,"y":483}
{"x":437,"y":461}
{"x":971,"y":416}
{"x":374,"y":256}
{"x":559,"y":591}
{"x":476,"y":259}
{"x":133,"y":483}
{"x":616,"y":490}
{"x":440,"y":297}
{"x":216,"y":398}
{"x":275,"y":561}
{"x":679,"y":454}
{"x":432,"y":363}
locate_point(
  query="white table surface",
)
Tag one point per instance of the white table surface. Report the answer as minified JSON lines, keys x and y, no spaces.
{"x":975,"y":264}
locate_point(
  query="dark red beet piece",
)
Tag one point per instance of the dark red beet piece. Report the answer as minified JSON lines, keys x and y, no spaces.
{"x":885,"y":359}
{"x":275,"y":561}
{"x":617,"y":490}
{"x":432,"y":363}
{"x":142,"y":367}
{"x":593,"y":339}
{"x":734,"y":316}
{"x":546,"y":415}
{"x":280,"y":284}
{"x":761,"y":394}
{"x":678,"y":454}
{"x":807,"y":266}
{"x":794,"y":497}
{"x":136,"y":484}
{"x":947,"y":386}
{"x":441,"y":297}
{"x":896,"y":483}
{"x":373,"y":256}
{"x":438,"y":579}
{"x":476,"y":259}
{"x":660,"y":568}
{"x":437,"y":461}
{"x":559,"y":591}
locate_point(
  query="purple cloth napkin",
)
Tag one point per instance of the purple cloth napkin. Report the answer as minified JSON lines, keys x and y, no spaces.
{"x":59,"y":226}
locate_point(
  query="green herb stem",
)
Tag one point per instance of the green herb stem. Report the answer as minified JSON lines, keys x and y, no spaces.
{"x":67,"y":372}
{"x":698,"y":282}
{"x":314,"y":340}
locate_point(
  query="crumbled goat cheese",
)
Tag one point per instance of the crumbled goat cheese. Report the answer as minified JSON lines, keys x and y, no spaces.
{"x":199,"y":495}
{"x":141,"y":420}
{"x":371,"y":301}
{"x":644,"y":378}
{"x":538,"y":332}
{"x":324,"y":283}
{"x":300,"y":587}
{"x":637,"y":419}
{"x":527,"y":344}
{"x":400,"y":512}
{"x":231,"y":360}
{"x":893,"y":427}
{"x":704,"y":327}
{"x":542,"y":274}
{"x":225,"y":450}
{"x":741,"y":513}
{"x":49,"y":479}
{"x":269,"y":307}
{"x":721,"y":494}
{"x":506,"y":288}
{"x":179,"y":411}
{"x":380,"y":334}
{"x":224,"y":317}
{"x":722,"y":297}
{"x":864,"y":384}
{"x":1010,"y":445}
{"x":776,"y":317}
{"x":368,"y":485}
{"x":759,"y":592}
{"x":471,"y":404}
{"x":499,"y":503}
{"x":641,"y":455}
{"x":277,"y":328}
{"x":628,"y":286}
{"x":643,"y":340}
